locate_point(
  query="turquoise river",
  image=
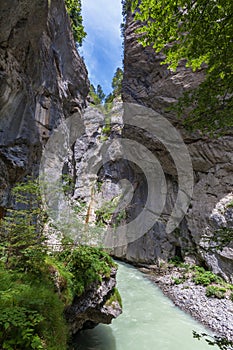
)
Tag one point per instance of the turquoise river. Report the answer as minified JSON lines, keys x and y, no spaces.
{"x":149,"y":321}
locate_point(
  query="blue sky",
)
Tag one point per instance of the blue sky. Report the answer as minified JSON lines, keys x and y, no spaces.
{"x":102,"y":48}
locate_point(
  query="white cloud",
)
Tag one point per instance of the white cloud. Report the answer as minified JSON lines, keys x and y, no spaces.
{"x":103,"y":15}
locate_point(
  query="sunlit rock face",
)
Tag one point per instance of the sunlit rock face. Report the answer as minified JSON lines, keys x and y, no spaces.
{"x":43,"y":79}
{"x":148,"y":83}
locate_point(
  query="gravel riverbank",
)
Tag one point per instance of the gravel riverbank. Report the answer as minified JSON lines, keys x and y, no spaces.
{"x":214,"y":313}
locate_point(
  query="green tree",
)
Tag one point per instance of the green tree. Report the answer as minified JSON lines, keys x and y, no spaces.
{"x":21,"y":230}
{"x":199,"y":32}
{"x":74,"y":8}
{"x":31,"y":309}
{"x":109,"y":98}
{"x":117,"y":82}
{"x":221,"y":343}
{"x":116,"y":88}
{"x":97,"y":95}
{"x":100,"y":93}
{"x":94,"y":97}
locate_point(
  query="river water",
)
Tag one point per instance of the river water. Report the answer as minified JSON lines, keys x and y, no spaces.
{"x":149,"y":321}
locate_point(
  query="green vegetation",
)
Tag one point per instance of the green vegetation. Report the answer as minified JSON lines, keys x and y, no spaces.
{"x":107,"y":214}
{"x":74,"y":8}
{"x":222,"y":237}
{"x":119,"y":217}
{"x":22,"y":243}
{"x":215,"y":291}
{"x":199,"y":32}
{"x":31,"y":312}
{"x":116,"y":86}
{"x":36,"y":284}
{"x":117,"y":82}
{"x":115,"y":297}
{"x":97,"y":95}
{"x":230,"y":205}
{"x":203,"y":277}
{"x":86,"y":265}
{"x":178,"y":280}
{"x":176,"y":261}
{"x":106,"y":130}
{"x":222,"y":343}
{"x":100,"y":93}
{"x":215,"y":285}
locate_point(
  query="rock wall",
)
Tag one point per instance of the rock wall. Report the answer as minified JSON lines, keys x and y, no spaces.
{"x":148,"y":83}
{"x":97,"y":305}
{"x":43,"y":79}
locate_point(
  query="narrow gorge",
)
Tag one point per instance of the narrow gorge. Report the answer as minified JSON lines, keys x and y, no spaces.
{"x":44,"y":88}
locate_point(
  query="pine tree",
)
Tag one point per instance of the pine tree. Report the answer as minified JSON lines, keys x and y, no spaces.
{"x":21,"y":230}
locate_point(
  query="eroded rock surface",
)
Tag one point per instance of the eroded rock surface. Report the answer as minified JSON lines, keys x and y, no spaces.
{"x":97,"y":305}
{"x":148,"y":83}
{"x":43,"y":79}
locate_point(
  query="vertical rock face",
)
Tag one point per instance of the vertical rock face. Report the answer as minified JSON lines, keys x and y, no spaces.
{"x":148,"y":83}
{"x":43,"y":79}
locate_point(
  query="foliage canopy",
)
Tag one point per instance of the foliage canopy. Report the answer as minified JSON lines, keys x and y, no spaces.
{"x":74,"y":8}
{"x":199,"y":32}
{"x":97,"y":95}
{"x":37,"y":284}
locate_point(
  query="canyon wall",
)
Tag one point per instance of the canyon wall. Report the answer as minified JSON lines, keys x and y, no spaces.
{"x":148,"y":83}
{"x":43,"y":79}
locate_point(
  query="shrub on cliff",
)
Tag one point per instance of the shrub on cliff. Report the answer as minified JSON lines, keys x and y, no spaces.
{"x":86,"y":265}
{"x":74,"y":11}
{"x":200,"y":34}
{"x":37,"y":285}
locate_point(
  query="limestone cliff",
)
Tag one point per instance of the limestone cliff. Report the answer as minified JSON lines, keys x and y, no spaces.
{"x":99,"y":304}
{"x":43,"y":79}
{"x":150,"y":84}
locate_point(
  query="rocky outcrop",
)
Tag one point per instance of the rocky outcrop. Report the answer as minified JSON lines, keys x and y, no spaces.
{"x":99,"y":304}
{"x":43,"y":79}
{"x":148,"y":83}
{"x":219,"y":228}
